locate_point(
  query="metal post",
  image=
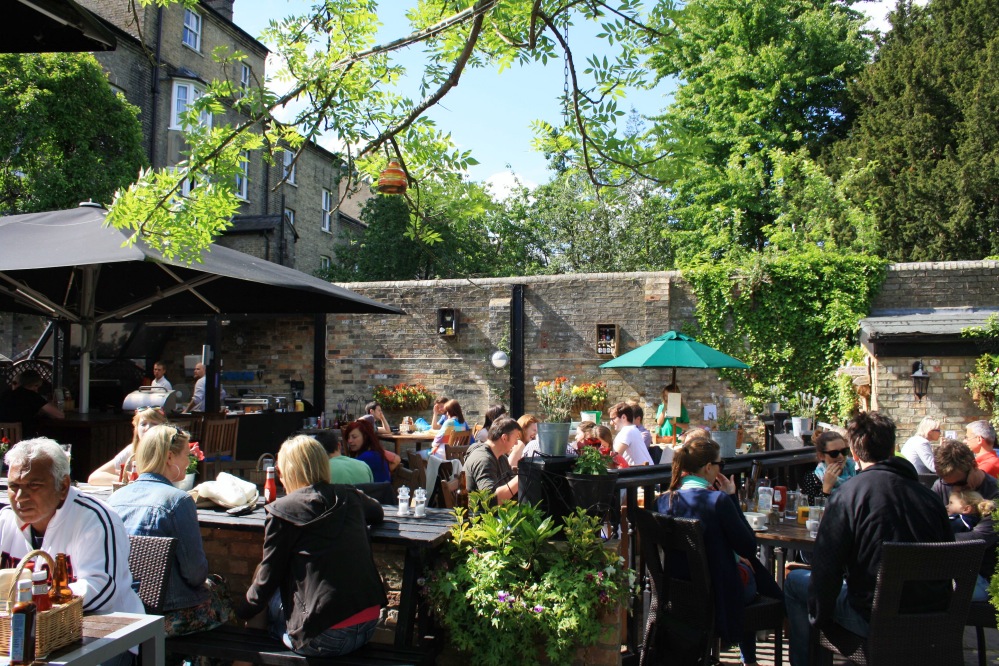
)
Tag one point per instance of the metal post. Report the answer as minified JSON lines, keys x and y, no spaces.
{"x":319,"y":363}
{"x":517,"y":351}
{"x":213,"y":364}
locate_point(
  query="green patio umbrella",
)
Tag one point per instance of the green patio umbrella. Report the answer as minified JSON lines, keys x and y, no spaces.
{"x":675,"y":350}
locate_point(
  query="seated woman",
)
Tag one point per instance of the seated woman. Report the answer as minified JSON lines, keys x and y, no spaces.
{"x":363,"y":444}
{"x":699,"y":490}
{"x":527,"y":445}
{"x":583,"y":431}
{"x":836,"y":466}
{"x":151,"y":506}
{"x":492,"y":414}
{"x":110,"y":472}
{"x":918,"y":449}
{"x":317,"y":578}
{"x":454,"y":421}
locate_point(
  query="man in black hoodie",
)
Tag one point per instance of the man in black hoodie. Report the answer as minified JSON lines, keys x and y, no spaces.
{"x":884,"y":502}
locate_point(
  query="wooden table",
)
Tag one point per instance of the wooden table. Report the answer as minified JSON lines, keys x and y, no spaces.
{"x":107,"y":636}
{"x":420,"y":536}
{"x":417,"y":438}
{"x":777,"y":539}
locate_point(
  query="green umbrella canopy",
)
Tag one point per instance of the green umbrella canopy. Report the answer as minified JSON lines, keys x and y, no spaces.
{"x":675,"y":350}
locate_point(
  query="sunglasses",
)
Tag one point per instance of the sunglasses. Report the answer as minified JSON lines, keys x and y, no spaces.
{"x":147,"y":409}
{"x":719,"y":463}
{"x":835,"y":453}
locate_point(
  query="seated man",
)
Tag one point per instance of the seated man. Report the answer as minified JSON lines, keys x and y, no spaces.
{"x":486,"y":465}
{"x":956,"y":465}
{"x":343,"y":469}
{"x":25,"y":405}
{"x":981,"y":437}
{"x":46,"y":512}
{"x":376,"y":417}
{"x":884,"y":502}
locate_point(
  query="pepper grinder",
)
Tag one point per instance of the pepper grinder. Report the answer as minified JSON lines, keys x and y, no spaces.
{"x":420,"y":497}
{"x":403,"y":501}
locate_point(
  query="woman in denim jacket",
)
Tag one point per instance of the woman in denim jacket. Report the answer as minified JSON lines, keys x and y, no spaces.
{"x":152,"y":506}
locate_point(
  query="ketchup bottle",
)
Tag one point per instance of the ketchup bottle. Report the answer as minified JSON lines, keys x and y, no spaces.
{"x":134,"y":474}
{"x":270,"y":487}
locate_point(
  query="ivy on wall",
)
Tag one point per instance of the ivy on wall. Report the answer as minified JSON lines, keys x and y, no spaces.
{"x":790,"y":317}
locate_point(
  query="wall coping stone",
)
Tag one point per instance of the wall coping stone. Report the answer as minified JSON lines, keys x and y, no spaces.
{"x":499,"y":281}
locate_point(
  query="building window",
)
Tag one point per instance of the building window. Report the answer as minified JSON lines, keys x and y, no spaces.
{"x":192,"y":29}
{"x":243,"y":177}
{"x":327,"y":210}
{"x":185,"y":93}
{"x":325,"y":263}
{"x":289,"y":215}
{"x":244,"y":78}
{"x":289,"y":167}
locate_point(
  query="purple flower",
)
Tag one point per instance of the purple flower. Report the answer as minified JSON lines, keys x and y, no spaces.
{"x":502,"y":596}
{"x":538,"y":609}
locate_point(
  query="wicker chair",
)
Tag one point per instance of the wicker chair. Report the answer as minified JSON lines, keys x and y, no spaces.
{"x":681,"y":623}
{"x":981,"y":614}
{"x":12,"y":431}
{"x":150,"y":560}
{"x":218,"y":443}
{"x":912,"y":638}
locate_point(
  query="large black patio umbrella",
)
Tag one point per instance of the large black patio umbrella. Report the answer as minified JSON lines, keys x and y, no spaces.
{"x":68,"y":265}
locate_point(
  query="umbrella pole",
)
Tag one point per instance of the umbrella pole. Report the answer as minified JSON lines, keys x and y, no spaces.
{"x":673,"y":383}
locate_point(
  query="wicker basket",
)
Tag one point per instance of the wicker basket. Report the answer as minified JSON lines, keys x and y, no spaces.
{"x":54,"y":628}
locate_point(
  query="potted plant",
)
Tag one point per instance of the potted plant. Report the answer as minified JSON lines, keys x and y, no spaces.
{"x":589,"y":397}
{"x":802,"y":406}
{"x":193,"y":459}
{"x":403,"y":398}
{"x":592,"y":482}
{"x":983,"y":384}
{"x":555,"y":400}
{"x":507,"y":593}
{"x":727,"y":420}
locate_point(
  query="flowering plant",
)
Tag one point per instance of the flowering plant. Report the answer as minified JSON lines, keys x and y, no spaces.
{"x":555,"y":399}
{"x":507,"y":585}
{"x":591,"y":460}
{"x":803,"y":404}
{"x":593,"y":393}
{"x":403,"y":396}
{"x":193,"y":459}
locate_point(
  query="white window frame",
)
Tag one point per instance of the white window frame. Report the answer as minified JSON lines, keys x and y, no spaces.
{"x":289,"y":215}
{"x":244,"y":78}
{"x":325,"y":262}
{"x":243,"y":178}
{"x":289,"y":167}
{"x":191,"y":34}
{"x":327,"y":211}
{"x":190,"y":91}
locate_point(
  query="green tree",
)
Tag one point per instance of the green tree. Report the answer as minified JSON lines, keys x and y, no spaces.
{"x":760,"y":80}
{"x":928,"y":128}
{"x":66,"y":136}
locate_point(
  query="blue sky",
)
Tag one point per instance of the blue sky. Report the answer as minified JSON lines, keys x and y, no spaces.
{"x":491,"y":113}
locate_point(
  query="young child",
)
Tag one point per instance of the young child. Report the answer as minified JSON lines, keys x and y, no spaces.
{"x":966,"y":508}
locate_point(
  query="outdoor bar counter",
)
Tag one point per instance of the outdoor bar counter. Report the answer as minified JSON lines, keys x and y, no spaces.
{"x":96,"y":437}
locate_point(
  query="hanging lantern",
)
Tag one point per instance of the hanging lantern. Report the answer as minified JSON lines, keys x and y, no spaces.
{"x":920,"y":380}
{"x":393,"y":179}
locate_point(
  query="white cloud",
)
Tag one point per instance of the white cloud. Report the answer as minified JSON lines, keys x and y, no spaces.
{"x":877,"y":12}
{"x":504,"y":183}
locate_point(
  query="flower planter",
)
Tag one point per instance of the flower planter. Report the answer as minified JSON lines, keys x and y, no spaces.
{"x":593,"y":492}
{"x":726,"y":441}
{"x":801,"y":424}
{"x":187,"y":483}
{"x":553,"y":438}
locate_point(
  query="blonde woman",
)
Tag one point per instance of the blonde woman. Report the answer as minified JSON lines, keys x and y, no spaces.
{"x":316,"y":550}
{"x":918,"y":449}
{"x":152,"y":506}
{"x":527,"y":445}
{"x":144,"y":419}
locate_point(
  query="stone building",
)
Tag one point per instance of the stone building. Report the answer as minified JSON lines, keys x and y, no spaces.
{"x":291,"y":211}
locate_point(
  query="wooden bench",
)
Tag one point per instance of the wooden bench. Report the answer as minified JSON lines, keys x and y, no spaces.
{"x":257,"y":647}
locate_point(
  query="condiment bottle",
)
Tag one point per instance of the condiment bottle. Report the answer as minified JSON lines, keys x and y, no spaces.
{"x":134,"y":474}
{"x":22,"y":626}
{"x":270,"y":487}
{"x":403,"y":501}
{"x":60,"y":592}
{"x":40,"y":591}
{"x":420,"y":499}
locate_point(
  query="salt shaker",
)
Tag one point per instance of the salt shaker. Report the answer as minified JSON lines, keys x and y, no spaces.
{"x":403,"y":501}
{"x":420,"y":497}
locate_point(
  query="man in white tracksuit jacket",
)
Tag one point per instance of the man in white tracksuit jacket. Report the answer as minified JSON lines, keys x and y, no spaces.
{"x":46,"y":512}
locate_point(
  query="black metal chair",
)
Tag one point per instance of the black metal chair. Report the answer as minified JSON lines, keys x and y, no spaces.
{"x":150,"y":560}
{"x":981,"y":614}
{"x":681,"y":625}
{"x":900,"y":635}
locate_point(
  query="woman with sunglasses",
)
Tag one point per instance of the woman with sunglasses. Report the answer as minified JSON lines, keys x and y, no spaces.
{"x":700,"y":490}
{"x":918,"y":449}
{"x":152,"y":506}
{"x":110,"y":472}
{"x":836,"y":466}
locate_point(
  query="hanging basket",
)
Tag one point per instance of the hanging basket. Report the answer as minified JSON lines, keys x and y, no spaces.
{"x":392,"y":179}
{"x":54,"y":628}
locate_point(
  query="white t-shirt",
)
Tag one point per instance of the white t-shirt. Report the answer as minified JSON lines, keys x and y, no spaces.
{"x":635,"y":452}
{"x":162,"y":382}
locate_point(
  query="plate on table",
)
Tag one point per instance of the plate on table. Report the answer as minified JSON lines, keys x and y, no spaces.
{"x":760,"y":529}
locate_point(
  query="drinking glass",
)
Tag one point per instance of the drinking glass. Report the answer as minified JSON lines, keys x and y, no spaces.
{"x":813,"y":527}
{"x":791,"y":508}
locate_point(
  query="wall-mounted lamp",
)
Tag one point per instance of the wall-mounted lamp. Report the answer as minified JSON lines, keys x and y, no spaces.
{"x":499,"y":359}
{"x":920,"y":380}
{"x":447,"y":322}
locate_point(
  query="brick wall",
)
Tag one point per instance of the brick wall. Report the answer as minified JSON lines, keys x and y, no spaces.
{"x":940,"y":284}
